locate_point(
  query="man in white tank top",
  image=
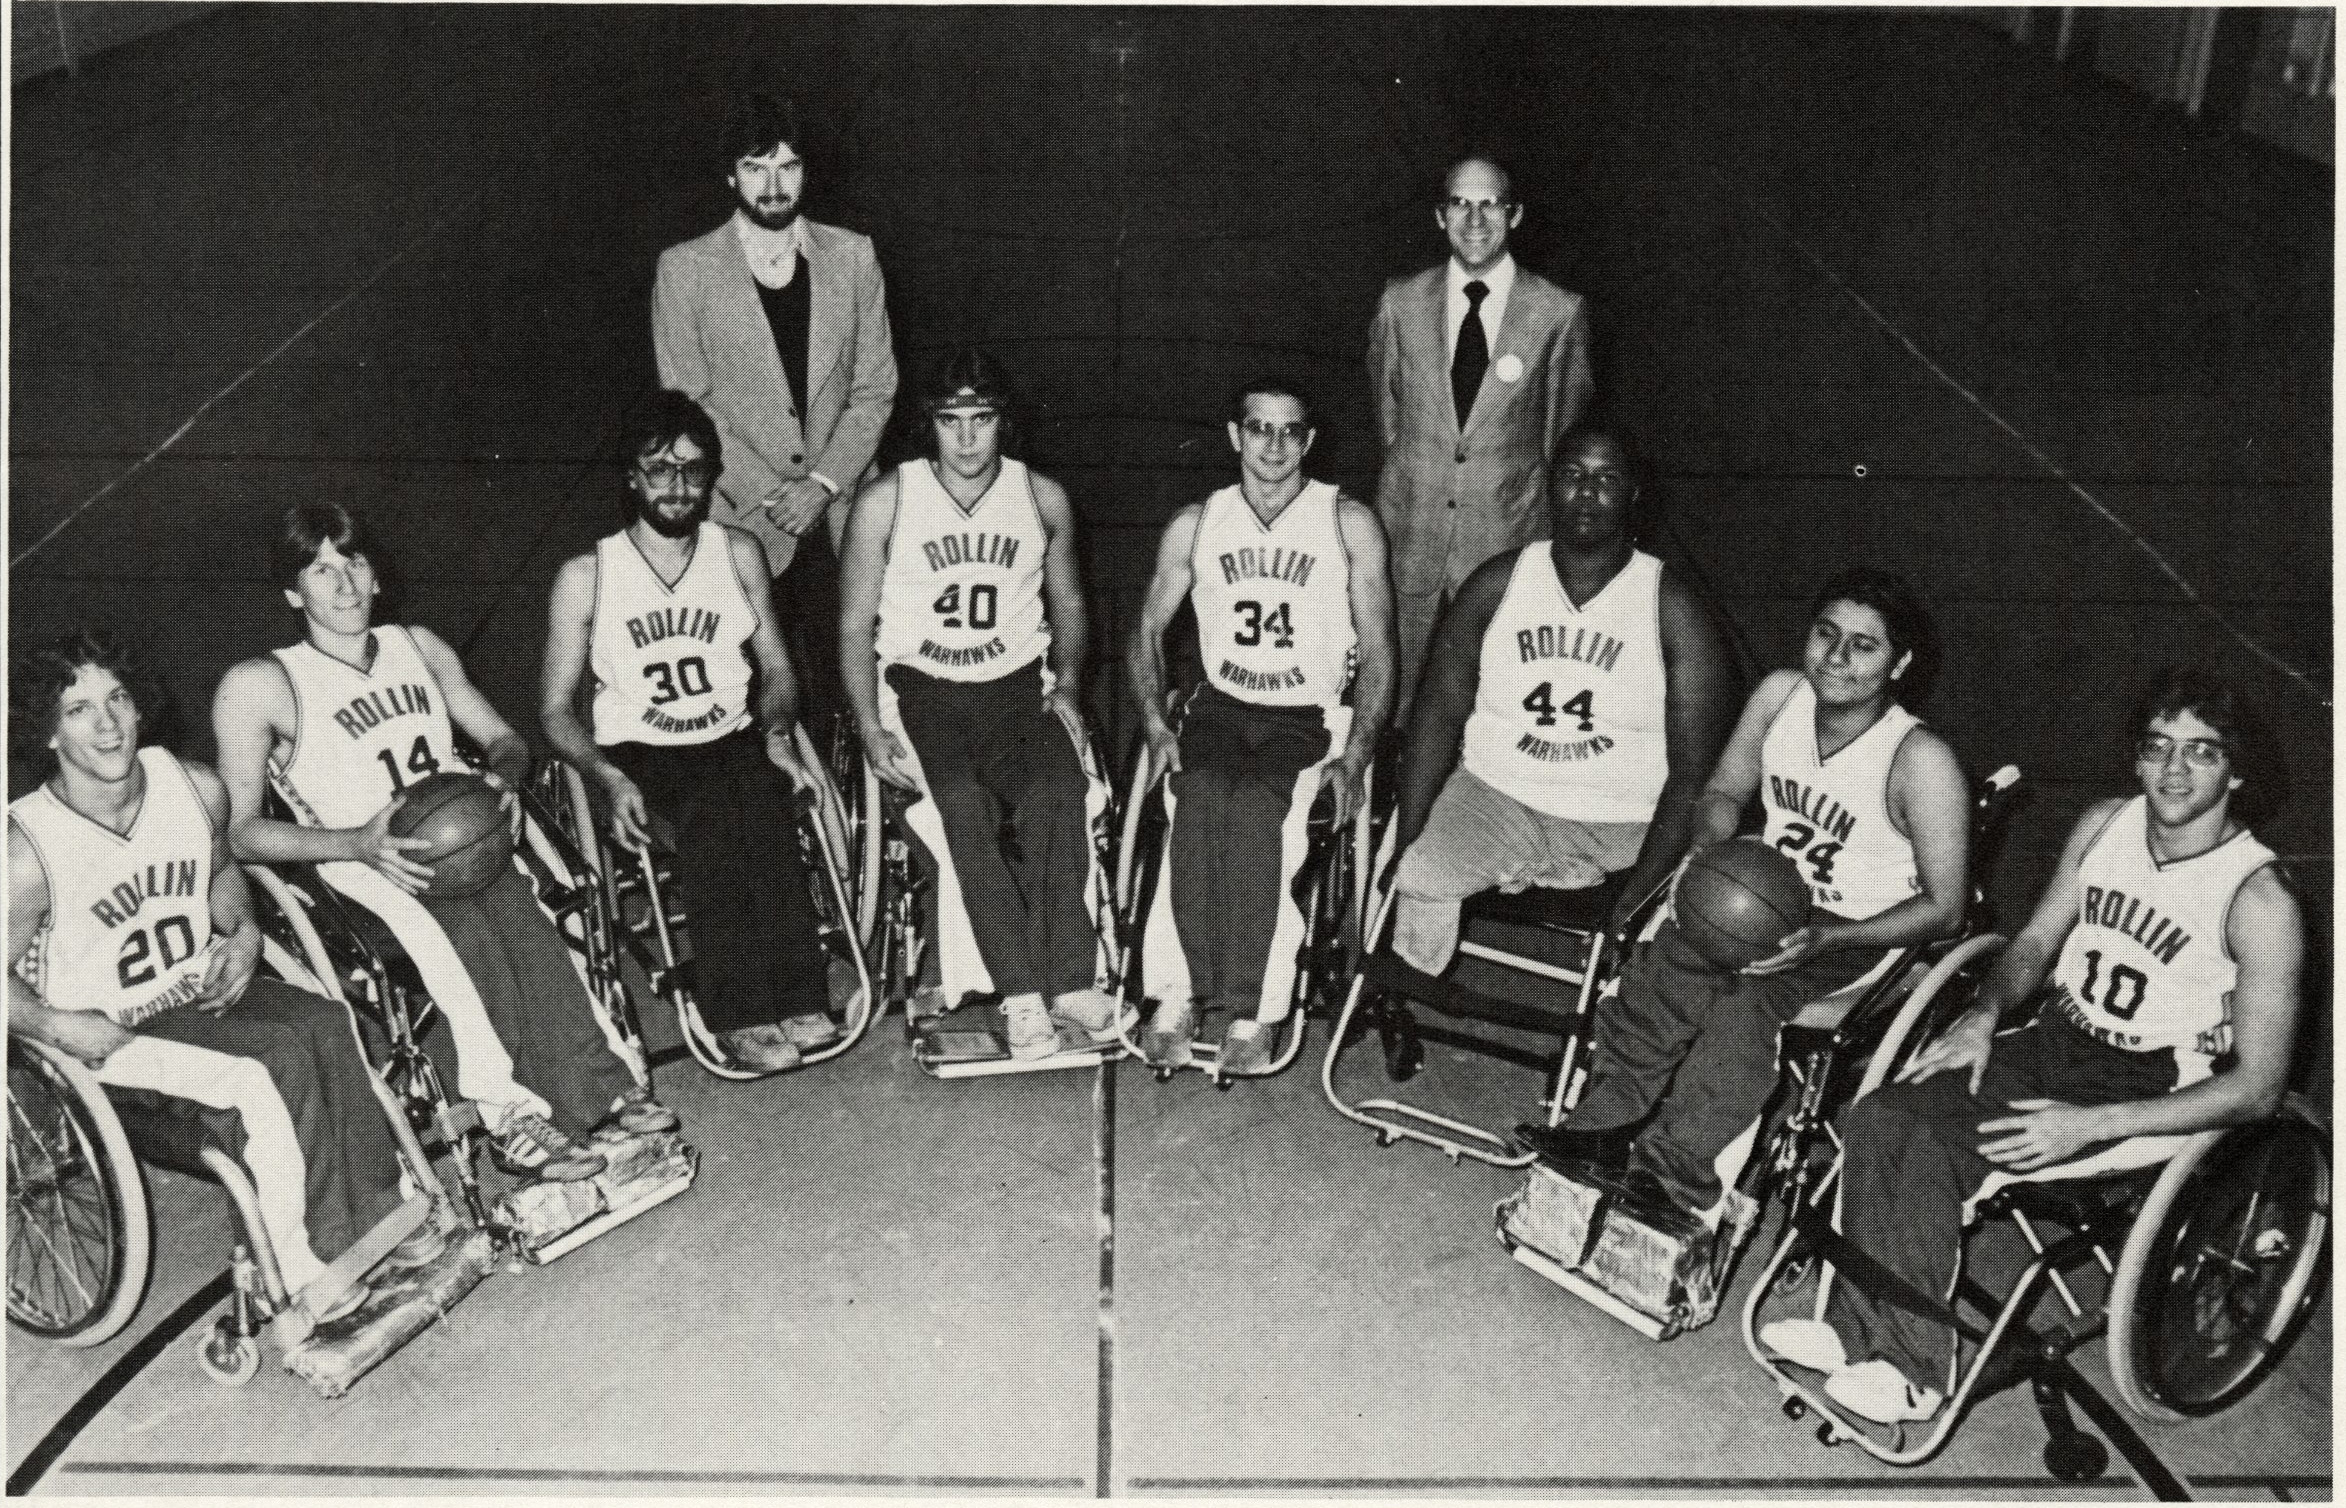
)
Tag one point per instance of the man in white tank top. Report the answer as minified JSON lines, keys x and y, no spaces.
{"x":134,"y":948}
{"x":1873,"y":808}
{"x":666,"y":621}
{"x":1287,"y":579}
{"x":1574,"y":695}
{"x":340,"y":725}
{"x":2166,"y":945}
{"x":961,"y":644}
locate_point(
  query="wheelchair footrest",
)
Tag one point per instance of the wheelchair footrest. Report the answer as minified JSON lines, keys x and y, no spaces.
{"x":1656,"y":1261}
{"x":402,"y":1307}
{"x":640,"y":1171}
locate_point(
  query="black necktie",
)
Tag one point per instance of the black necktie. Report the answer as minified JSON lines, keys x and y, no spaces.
{"x":1473,"y":355}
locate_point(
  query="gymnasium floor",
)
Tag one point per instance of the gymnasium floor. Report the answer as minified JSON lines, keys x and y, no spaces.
{"x":400,"y":257}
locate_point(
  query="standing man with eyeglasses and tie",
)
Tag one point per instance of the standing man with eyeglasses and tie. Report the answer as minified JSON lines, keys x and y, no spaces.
{"x":1477,"y":368}
{"x":778,"y":327}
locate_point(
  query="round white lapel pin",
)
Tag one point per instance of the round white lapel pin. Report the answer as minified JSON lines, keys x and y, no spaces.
{"x":1509,"y":367}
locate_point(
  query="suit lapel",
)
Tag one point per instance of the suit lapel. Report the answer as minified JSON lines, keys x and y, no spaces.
{"x":828,"y":311}
{"x":744,"y":319}
{"x":1433,"y":307}
{"x":1514,"y":326}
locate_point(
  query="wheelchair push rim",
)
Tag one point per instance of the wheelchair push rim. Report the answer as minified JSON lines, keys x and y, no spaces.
{"x":78,"y":1234}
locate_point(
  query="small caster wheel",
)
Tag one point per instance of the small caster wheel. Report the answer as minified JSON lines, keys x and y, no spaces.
{"x":1387,"y":1138}
{"x":1827,"y":1435}
{"x":1164,"y":1075}
{"x":229,"y":1359}
{"x":2076,"y":1458}
{"x":1796,"y":1409}
{"x":1223,"y":1082}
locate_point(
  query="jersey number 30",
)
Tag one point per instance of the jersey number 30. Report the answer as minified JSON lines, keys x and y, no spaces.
{"x":687,"y":677}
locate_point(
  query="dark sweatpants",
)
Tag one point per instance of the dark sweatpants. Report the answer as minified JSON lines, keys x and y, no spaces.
{"x":806,"y":612}
{"x":534,"y":999}
{"x":756,"y":959}
{"x":1239,"y":764}
{"x":1702,"y":1043}
{"x":350,"y":1168}
{"x":1010,"y":789}
{"x":1910,"y":1159}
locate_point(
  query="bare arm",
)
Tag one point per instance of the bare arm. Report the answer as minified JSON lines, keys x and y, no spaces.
{"x":1063,"y":599}
{"x":230,"y":972}
{"x":570,"y":623}
{"x":863,"y":566}
{"x":252,"y":712}
{"x":1698,"y":716}
{"x":1445,"y":696}
{"x":1145,"y":661}
{"x":87,"y":1035}
{"x":504,"y":751}
{"x":1735,"y":778}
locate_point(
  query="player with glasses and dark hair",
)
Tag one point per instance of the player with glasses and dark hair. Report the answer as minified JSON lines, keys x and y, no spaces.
{"x":1477,"y":369}
{"x":2167,"y":947}
{"x":672,"y":619}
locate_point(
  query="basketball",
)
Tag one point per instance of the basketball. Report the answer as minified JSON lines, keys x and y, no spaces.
{"x":462,"y":818}
{"x":1738,"y":900}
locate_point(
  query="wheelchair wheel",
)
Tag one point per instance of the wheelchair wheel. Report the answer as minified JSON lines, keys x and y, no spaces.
{"x":2220,"y":1268}
{"x":1918,"y":1017}
{"x":78,"y":1238}
{"x":854,"y":818}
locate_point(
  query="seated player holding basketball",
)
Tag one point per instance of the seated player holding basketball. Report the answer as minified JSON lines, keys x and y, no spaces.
{"x":1872,"y":808}
{"x":341,"y":726}
{"x":1575,"y":694}
{"x":1287,"y":579}
{"x":672,"y":615}
{"x":134,"y":950}
{"x":2173,"y":946}
{"x":961,"y":642}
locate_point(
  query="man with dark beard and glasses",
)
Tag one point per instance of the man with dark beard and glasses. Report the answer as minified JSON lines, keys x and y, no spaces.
{"x":672,"y":615}
{"x":778,"y":327}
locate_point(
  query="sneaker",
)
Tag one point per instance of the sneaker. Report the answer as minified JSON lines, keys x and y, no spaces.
{"x":1029,"y":1027}
{"x":1878,"y":1391}
{"x":1096,"y":1012}
{"x":1246,"y":1048}
{"x":529,"y":1145}
{"x":422,"y":1246}
{"x":927,"y":1004}
{"x":762,"y":1048}
{"x":1805,"y":1343}
{"x":1166,"y":1043}
{"x":346,"y":1304}
{"x":810,"y":1031}
{"x":638,"y":1114}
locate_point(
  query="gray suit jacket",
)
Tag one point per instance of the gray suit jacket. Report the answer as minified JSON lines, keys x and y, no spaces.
{"x":710,"y":335}
{"x":1450,"y":501}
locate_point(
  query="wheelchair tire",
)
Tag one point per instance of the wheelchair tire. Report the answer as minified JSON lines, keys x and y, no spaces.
{"x":79,"y":1242}
{"x":1901,"y":1040}
{"x":2221,"y":1267}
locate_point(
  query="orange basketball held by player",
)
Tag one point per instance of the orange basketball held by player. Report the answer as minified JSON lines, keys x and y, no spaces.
{"x":1739,"y":900}
{"x":463,"y":818}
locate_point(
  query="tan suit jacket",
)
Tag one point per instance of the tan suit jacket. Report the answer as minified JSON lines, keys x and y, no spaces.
{"x":710,"y":336}
{"x":1450,"y":500}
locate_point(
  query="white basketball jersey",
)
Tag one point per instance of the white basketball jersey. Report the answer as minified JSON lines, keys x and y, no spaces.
{"x":962,"y":596}
{"x":1274,"y":601}
{"x":1570,"y":715}
{"x":130,"y":914}
{"x":669,"y":661}
{"x":2147,"y":966}
{"x":1832,"y":816}
{"x":360,"y":737}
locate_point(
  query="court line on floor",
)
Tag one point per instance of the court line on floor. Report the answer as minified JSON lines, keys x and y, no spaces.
{"x":342,"y":1472}
{"x":2037,"y":453}
{"x":1104,"y":1157}
{"x":109,"y":1386}
{"x":245,"y":376}
{"x":1864,"y":1486}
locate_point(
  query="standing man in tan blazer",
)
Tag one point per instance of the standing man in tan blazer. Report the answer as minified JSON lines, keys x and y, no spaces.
{"x":1468,"y":424}
{"x":778,"y":327}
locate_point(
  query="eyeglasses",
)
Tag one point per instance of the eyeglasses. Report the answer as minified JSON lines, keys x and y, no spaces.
{"x":665,"y":473}
{"x":1611,"y":486}
{"x":1291,"y":432}
{"x":2199,"y":753}
{"x":1489,"y":209}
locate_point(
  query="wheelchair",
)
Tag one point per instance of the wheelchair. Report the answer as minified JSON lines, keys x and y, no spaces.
{"x":1326,"y":889}
{"x":2206,"y":1250}
{"x":80,"y":1240}
{"x":634,"y":915}
{"x":1663,"y":1271}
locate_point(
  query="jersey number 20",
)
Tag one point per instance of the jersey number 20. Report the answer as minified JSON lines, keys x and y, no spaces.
{"x":174,"y":940}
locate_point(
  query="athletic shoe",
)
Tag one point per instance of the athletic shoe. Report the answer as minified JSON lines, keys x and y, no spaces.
{"x":1246,"y":1048}
{"x":764,"y":1049}
{"x":530,"y":1146}
{"x":1166,"y":1043}
{"x":1607,"y":1148}
{"x":844,"y":983}
{"x":1878,"y":1391}
{"x":927,"y":1004}
{"x":1096,"y":1013}
{"x":346,"y":1304}
{"x":1029,"y":1027}
{"x":1805,"y":1343}
{"x":638,"y":1114}
{"x":422,"y":1246}
{"x":810,"y":1031}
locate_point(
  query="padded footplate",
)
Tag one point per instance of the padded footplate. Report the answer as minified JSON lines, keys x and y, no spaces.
{"x":971,"y":1041}
{"x":1659,"y":1263}
{"x":640,"y":1171}
{"x":401,"y":1307}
